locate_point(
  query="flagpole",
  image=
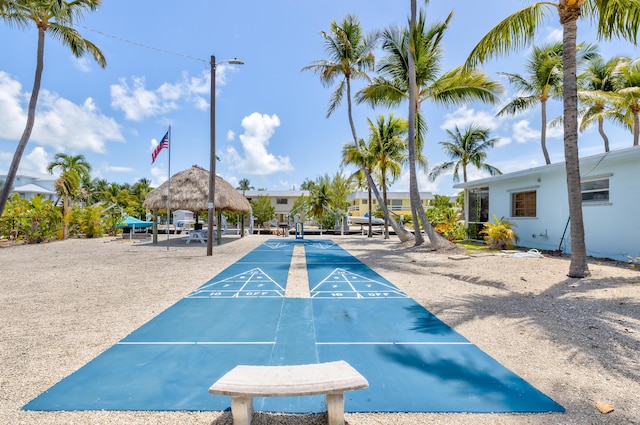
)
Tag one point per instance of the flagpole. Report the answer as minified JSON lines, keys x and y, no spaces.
{"x":169,"y":190}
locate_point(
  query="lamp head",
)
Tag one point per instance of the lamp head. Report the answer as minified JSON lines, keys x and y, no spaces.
{"x":235,"y":62}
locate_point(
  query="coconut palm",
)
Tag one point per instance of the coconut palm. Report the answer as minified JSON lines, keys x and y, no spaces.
{"x":627,"y":86}
{"x":542,"y":82}
{"x":244,"y":185}
{"x":464,"y":149}
{"x":55,"y":17}
{"x":596,"y":92}
{"x":387,"y":147}
{"x":362,"y":159}
{"x":613,"y":18}
{"x":73,"y":169}
{"x":454,"y":87}
{"x":351,"y":57}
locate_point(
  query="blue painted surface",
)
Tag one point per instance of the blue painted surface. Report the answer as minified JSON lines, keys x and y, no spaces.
{"x":412,"y":360}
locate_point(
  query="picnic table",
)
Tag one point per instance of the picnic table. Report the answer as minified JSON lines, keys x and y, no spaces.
{"x":196,"y":235}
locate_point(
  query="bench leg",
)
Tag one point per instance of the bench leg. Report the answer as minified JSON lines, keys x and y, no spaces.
{"x":335,"y":409}
{"x":242,"y":410}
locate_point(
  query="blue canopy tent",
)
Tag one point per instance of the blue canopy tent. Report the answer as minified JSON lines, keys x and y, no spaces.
{"x":130,"y":224}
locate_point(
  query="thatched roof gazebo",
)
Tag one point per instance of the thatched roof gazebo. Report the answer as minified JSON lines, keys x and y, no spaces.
{"x":190,"y":191}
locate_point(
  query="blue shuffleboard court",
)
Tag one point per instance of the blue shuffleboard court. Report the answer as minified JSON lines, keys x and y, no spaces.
{"x":413,"y":361}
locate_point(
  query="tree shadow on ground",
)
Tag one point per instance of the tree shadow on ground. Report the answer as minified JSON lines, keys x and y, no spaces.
{"x":568,"y":313}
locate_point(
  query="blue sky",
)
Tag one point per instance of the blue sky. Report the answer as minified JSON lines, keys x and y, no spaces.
{"x":270,"y":116}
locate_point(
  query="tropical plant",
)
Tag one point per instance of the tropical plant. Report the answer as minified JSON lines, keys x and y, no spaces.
{"x":88,"y":221}
{"x":411,"y":70}
{"x":244,"y":185}
{"x":596,"y":92}
{"x":351,"y":57}
{"x":627,"y":86}
{"x":57,"y":17}
{"x":363,"y":160}
{"x":499,"y":234}
{"x":464,"y":149}
{"x":36,"y":220}
{"x":446,"y":218}
{"x":388,"y":149}
{"x":73,"y":169}
{"x":613,"y":18}
{"x":543,"y":81}
{"x":320,"y":198}
{"x":263,"y":210}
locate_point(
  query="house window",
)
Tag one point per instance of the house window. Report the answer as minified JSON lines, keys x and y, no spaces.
{"x":396,"y":205}
{"x":595,"y":190}
{"x":282,"y":201}
{"x":523,"y":204}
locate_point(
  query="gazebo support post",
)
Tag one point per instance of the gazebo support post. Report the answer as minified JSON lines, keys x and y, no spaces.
{"x":155,"y":226}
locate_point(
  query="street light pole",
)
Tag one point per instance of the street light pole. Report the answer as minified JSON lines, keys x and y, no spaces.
{"x":212,"y":159}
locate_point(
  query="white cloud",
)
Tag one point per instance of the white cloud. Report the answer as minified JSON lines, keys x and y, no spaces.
{"x":523,"y":133}
{"x":464,"y":116}
{"x":554,"y":35}
{"x":139,"y":102}
{"x":159,"y":176}
{"x":36,"y":161}
{"x":60,"y":123}
{"x":231,"y":135}
{"x":82,"y":64}
{"x":12,"y":116}
{"x":255,"y":158}
{"x":66,"y":126}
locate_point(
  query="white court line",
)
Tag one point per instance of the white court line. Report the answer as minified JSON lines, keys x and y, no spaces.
{"x":194,"y":343}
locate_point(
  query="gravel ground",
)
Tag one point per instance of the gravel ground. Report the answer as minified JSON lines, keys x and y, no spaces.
{"x":577,"y":340}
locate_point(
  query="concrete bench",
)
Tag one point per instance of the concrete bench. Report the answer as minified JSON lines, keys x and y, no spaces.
{"x":243,"y":383}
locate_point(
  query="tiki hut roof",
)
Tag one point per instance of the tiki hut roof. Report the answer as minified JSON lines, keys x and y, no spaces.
{"x":190,"y":191}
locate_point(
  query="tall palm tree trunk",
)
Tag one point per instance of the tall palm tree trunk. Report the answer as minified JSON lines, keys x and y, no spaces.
{"x":578,"y":265}
{"x":31,"y":115}
{"x":417,"y":210}
{"x":370,"y":234}
{"x":636,"y":126}
{"x":400,"y":232}
{"x":543,"y":131}
{"x":603,"y":134}
{"x":414,"y":192}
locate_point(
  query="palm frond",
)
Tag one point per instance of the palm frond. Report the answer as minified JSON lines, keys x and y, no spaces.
{"x":511,"y":34}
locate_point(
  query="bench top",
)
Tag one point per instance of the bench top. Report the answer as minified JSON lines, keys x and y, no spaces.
{"x":274,"y":381}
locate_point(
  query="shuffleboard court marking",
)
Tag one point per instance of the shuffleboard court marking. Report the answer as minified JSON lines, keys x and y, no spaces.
{"x":341,"y":283}
{"x":195,"y":343}
{"x":251,"y":283}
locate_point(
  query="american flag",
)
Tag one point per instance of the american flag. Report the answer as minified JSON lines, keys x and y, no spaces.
{"x":164,"y":143}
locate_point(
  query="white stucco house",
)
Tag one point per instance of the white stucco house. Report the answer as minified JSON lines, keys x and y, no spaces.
{"x":30,"y":185}
{"x":536,"y":201}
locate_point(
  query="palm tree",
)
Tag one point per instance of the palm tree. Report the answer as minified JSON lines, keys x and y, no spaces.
{"x":363,"y":160}
{"x":387,"y":146}
{"x":319,"y":199}
{"x":73,"y":169}
{"x":596,"y":91}
{"x":420,"y":47}
{"x":351,"y":57}
{"x":542,"y":82}
{"x":244,"y":185}
{"x":466,"y":148}
{"x":627,"y":85}
{"x":57,"y":17}
{"x":613,"y":18}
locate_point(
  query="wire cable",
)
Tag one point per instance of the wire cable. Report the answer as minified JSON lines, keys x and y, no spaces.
{"x":135,"y":43}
